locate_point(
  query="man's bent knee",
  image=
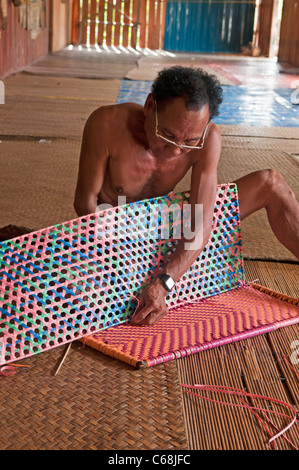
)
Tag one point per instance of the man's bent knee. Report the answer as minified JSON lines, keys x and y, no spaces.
{"x":272,"y":179}
{"x":274,"y":183}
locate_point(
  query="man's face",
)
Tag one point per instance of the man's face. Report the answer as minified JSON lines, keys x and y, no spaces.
{"x":172,"y":122}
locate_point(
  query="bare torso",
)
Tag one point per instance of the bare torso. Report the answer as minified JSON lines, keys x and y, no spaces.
{"x":121,"y":156}
{"x":132,"y":170}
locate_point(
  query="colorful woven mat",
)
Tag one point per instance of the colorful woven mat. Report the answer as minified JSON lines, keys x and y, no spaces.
{"x":236,"y":101}
{"x":70,"y":280}
{"x":228,"y":317}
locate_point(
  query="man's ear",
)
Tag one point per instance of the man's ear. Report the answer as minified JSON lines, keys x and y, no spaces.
{"x":149,"y":104}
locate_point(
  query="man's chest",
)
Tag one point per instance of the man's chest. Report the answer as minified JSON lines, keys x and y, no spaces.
{"x":141,"y":178}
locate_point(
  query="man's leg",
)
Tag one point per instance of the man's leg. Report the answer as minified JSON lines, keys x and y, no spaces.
{"x":268,"y":189}
{"x":13,"y":231}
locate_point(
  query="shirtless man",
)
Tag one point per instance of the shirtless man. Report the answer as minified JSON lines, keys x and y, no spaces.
{"x":144,"y":151}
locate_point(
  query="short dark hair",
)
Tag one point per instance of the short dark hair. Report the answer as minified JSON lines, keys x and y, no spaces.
{"x":196,"y":86}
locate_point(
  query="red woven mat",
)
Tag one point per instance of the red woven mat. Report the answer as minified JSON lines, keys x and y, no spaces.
{"x":225,"y":318}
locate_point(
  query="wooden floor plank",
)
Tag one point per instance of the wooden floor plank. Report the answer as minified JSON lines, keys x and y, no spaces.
{"x":212,"y":426}
{"x":279,"y":276}
{"x":262,"y":377}
{"x":255,"y":365}
{"x":285,"y":348}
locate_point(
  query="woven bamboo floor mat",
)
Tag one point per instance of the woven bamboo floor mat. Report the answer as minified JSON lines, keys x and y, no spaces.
{"x":23,"y":84}
{"x":93,"y":403}
{"x":38,"y":182}
{"x":229,"y":69}
{"x":258,"y":238}
{"x":148,"y":67}
{"x":236,"y":162}
{"x":259,"y":131}
{"x":259,"y":143}
{"x":96,"y":402}
{"x":84,"y":64}
{"x":57,"y":106}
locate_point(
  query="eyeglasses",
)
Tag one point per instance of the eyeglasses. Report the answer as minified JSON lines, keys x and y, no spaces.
{"x":181,"y":146}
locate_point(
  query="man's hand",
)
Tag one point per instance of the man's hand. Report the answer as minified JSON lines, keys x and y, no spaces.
{"x":152,"y":306}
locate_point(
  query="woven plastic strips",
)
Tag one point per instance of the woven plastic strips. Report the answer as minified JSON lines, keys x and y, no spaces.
{"x":79,"y":277}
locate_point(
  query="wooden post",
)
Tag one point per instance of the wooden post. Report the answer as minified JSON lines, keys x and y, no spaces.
{"x":101,"y":28}
{"x":289,"y":34}
{"x":135,"y":29}
{"x":126,"y":20}
{"x":75,"y":22}
{"x":151,"y":27}
{"x":265,"y":24}
{"x":142,"y":23}
{"x":93,"y":17}
{"x":109,"y":21}
{"x":83,"y":25}
{"x":117,"y":18}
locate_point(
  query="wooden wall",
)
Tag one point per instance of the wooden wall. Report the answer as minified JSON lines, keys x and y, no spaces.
{"x":265,"y":25}
{"x":61,"y":19}
{"x":17,"y":48}
{"x":289,"y":33}
{"x":113,"y":23}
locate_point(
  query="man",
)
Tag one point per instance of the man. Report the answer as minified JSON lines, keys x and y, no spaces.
{"x":144,"y":151}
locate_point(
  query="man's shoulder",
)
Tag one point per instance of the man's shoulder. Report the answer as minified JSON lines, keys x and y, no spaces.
{"x":213,"y":131}
{"x":213,"y":139}
{"x":107,"y":122}
{"x":210,"y":153}
{"x":110,"y":113}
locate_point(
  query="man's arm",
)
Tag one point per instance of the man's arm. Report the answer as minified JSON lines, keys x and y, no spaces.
{"x":203,"y":192}
{"x":93,"y":160}
{"x":152,"y":307}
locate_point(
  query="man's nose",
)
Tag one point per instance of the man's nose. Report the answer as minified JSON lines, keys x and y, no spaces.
{"x":174,"y":150}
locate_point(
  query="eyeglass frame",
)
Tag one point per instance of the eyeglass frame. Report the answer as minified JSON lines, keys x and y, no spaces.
{"x":181,"y":146}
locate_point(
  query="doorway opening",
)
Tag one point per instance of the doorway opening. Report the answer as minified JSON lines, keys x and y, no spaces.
{"x":266,"y":32}
{"x":275,"y":30}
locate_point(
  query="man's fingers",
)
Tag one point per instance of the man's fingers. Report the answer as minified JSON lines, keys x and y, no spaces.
{"x":140,"y":306}
{"x":153,"y":318}
{"x":148,"y":317}
{"x":151,"y":306}
{"x":141,"y":313}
